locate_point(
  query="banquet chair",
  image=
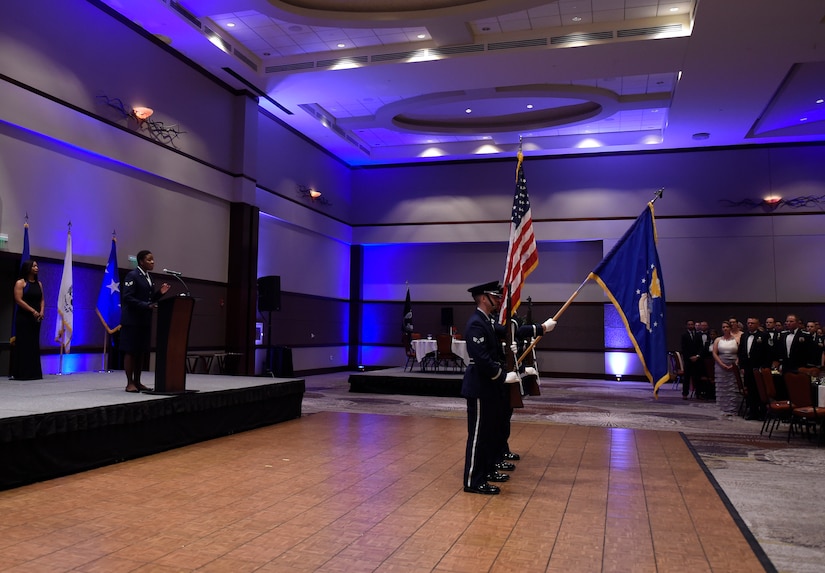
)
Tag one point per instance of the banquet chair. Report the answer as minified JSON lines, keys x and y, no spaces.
{"x":776,"y":411}
{"x":444,"y":352}
{"x":804,"y":412}
{"x":411,"y":351}
{"x":676,"y":368}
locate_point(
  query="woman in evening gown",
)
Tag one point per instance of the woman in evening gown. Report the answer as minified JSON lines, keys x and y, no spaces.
{"x":28,"y":295}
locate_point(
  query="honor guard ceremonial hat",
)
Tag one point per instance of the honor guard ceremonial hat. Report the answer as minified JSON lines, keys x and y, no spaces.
{"x":493,"y":288}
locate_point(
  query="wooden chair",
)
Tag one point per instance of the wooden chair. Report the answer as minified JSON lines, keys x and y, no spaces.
{"x":677,"y":369}
{"x":444,"y":354}
{"x":804,"y":414}
{"x":776,"y":411}
{"x":410,"y":350}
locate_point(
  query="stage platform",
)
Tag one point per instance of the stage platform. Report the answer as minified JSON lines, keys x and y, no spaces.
{"x":70,"y":423}
{"x":398,"y":381}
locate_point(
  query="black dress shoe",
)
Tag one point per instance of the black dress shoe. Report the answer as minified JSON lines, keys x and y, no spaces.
{"x":512,"y":457}
{"x":495,"y":476}
{"x":505,"y":466}
{"x":483,"y":488}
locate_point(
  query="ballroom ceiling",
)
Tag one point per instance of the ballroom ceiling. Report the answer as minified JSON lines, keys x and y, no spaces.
{"x":405,"y":81}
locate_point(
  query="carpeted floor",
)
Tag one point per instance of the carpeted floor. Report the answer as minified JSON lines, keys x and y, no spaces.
{"x":776,"y":487}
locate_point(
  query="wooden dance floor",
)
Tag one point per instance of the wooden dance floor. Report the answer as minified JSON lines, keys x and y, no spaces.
{"x":343,"y":492}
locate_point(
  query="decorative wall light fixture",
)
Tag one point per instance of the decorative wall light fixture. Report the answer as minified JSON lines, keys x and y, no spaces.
{"x":142,"y":113}
{"x":773,"y":202}
{"x":313,"y":195}
{"x":157,"y":130}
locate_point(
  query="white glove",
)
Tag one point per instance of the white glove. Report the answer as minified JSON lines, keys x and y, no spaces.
{"x":549,"y":325}
{"x":514,"y":348}
{"x":512,"y":378}
{"x":530,"y":371}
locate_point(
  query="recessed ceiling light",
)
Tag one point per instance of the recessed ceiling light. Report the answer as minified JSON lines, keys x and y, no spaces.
{"x":267,"y":53}
{"x":529,"y":106}
{"x":820,"y":100}
{"x":342,"y":45}
{"x":577,"y":18}
{"x":421,"y":36}
{"x":701,"y":135}
{"x":468,"y":110}
{"x":485,"y":29}
{"x":230,"y":24}
{"x":803,"y":119}
{"x":674,"y":9}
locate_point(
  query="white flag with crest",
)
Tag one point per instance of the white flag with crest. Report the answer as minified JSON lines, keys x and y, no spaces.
{"x":65,"y":310}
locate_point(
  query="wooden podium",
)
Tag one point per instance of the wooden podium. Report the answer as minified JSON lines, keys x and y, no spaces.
{"x":173,"y":321}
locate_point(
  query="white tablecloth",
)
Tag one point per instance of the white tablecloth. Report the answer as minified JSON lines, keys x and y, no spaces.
{"x":424,"y":346}
{"x":821,"y":392}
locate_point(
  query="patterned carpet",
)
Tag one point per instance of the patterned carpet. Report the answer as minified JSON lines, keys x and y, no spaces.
{"x":775,"y":486}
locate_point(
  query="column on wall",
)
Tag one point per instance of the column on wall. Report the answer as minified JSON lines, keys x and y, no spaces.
{"x":242,"y":288}
{"x":356,"y":296}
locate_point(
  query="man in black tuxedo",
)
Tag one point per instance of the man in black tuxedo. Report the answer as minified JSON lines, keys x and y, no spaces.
{"x":795,"y":347}
{"x":773,"y":330}
{"x":754,"y":352}
{"x":816,"y":356}
{"x":693,"y":364}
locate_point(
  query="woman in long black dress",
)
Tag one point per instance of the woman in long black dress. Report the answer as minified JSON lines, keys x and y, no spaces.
{"x":28,"y":295}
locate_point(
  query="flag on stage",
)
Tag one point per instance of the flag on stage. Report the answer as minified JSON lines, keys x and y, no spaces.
{"x":406,"y":322}
{"x":631,"y":276}
{"x":25,"y":256}
{"x":108,"y":299}
{"x":522,"y":254}
{"x":64,"y":327}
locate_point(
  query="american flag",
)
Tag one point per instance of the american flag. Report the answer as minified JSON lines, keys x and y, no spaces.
{"x":522,"y":256}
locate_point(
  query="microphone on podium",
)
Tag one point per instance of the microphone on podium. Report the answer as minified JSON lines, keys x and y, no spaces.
{"x":178,"y":275}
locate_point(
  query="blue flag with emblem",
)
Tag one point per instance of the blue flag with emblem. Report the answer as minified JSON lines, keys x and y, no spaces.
{"x":108,"y":299}
{"x":631,"y":276}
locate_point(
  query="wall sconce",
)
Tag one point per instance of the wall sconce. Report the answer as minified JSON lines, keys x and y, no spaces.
{"x":142,"y":113}
{"x":773,"y":202}
{"x":313,"y":195}
{"x":157,"y":129}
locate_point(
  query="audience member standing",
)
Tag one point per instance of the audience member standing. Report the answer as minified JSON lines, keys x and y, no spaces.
{"x":692,"y":357}
{"x":754,"y":352}
{"x":725,"y":350}
{"x":794,"y":348}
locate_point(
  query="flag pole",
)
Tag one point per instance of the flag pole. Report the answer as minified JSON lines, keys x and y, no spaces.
{"x":555,"y":317}
{"x":657,"y":195}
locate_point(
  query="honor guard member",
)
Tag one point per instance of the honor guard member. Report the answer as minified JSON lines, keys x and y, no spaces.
{"x":483,"y":387}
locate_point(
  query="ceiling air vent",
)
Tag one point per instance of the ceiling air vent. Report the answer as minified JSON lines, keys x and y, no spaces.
{"x":289,"y":67}
{"x":345,"y":61}
{"x":395,"y":56}
{"x":242,"y":57}
{"x":450,"y":50}
{"x":185,"y":13}
{"x":517,"y":44}
{"x":216,"y":39}
{"x":584,"y":37}
{"x":650,"y":31}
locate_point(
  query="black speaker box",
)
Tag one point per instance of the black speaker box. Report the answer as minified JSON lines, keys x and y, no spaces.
{"x":269,"y":293}
{"x":446,"y":316}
